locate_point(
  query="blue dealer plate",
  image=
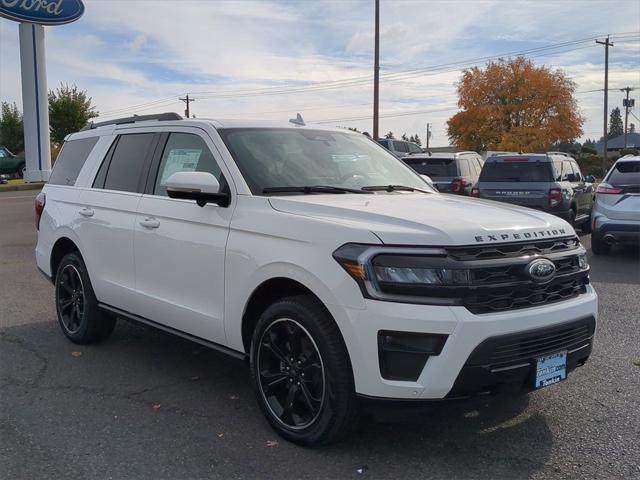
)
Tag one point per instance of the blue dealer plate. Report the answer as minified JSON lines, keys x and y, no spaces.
{"x":551,"y":369}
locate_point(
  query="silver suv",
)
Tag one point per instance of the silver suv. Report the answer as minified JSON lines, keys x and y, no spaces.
{"x":400,"y":148}
{"x":616,"y":211}
{"x":551,"y":182}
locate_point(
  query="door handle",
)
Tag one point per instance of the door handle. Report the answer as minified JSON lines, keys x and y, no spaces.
{"x":150,"y":222}
{"x":86,"y":212}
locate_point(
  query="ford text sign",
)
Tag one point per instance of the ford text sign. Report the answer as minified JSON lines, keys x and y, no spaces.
{"x":42,"y":12}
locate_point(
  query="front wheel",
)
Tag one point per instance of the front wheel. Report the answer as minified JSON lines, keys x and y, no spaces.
{"x":80,"y":318}
{"x":301,"y":372}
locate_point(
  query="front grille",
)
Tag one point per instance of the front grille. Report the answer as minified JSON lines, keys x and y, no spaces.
{"x":525,"y":346}
{"x":517,"y":272}
{"x":507,"y":250}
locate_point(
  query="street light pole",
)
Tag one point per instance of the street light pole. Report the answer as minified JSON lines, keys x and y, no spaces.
{"x":606,"y":44}
{"x":376,"y":72}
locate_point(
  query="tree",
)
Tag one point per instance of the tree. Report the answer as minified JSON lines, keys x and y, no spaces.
{"x":69,"y":110}
{"x":615,"y":124}
{"x":11,"y":127}
{"x":389,"y":135}
{"x":632,"y":128}
{"x":514,"y":105}
{"x":417,"y":140}
{"x":404,"y":137}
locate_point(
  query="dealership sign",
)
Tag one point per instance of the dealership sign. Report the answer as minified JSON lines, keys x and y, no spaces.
{"x":42,"y":12}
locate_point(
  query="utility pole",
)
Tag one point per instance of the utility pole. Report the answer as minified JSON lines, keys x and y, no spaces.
{"x":187,"y":100}
{"x":428,"y":134}
{"x":626,"y":105}
{"x":606,"y":44}
{"x":376,"y":72}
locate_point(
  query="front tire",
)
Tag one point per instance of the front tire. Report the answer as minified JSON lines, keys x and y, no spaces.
{"x":79,"y":316}
{"x":301,"y":372}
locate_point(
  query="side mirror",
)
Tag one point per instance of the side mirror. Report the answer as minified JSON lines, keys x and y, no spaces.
{"x":202,"y":187}
{"x":589,"y":179}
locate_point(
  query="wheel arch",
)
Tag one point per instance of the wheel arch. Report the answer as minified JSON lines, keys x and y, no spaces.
{"x":62,"y":246}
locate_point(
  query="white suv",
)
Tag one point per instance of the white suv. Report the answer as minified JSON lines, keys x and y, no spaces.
{"x":316,"y":254}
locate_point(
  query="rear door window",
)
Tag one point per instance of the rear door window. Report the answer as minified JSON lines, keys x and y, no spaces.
{"x":577,"y":175}
{"x":516,"y":171}
{"x":433,"y":167}
{"x":71,"y":160}
{"x":127,"y":163}
{"x":400,"y":147}
{"x":384,"y":143}
{"x":413,"y":148}
{"x":624,"y":174}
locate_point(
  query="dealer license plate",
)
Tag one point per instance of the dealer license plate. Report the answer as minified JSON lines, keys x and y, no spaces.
{"x":551,"y":369}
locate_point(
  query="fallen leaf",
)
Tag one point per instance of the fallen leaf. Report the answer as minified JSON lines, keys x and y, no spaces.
{"x":362,"y":469}
{"x":271,"y":443}
{"x":156,"y":406}
{"x":637,"y":363}
{"x":195,"y":378}
{"x":234,"y":397}
{"x":220,"y":435}
{"x":76,"y":354}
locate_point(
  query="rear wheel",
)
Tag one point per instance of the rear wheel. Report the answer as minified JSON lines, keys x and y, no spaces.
{"x":79,"y":316}
{"x":301,"y":372}
{"x":598,"y":246}
{"x":20,"y":171}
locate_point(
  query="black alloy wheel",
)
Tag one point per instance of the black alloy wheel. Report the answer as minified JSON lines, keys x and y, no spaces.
{"x":71,"y":299}
{"x":291,"y":374}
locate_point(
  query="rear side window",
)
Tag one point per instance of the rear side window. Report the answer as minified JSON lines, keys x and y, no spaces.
{"x":127,"y":162}
{"x":384,"y":143}
{"x":71,"y":160}
{"x":401,"y":147}
{"x":464,"y":167}
{"x":624,"y":174}
{"x":516,"y":171}
{"x":413,"y":148}
{"x":433,"y":167}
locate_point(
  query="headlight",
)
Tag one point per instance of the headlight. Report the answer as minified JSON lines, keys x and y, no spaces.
{"x":390,"y":273}
{"x":582,"y":261}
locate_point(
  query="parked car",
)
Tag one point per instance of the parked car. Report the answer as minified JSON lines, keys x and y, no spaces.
{"x":550,"y":182}
{"x":327,"y":262}
{"x":450,"y":172}
{"x":399,"y":148}
{"x":11,"y":164}
{"x":616,"y":212}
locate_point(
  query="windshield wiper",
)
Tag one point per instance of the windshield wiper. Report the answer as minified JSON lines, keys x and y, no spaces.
{"x":393,"y":188}
{"x":312,"y":189}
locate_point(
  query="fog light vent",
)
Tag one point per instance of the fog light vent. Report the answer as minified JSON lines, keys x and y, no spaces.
{"x":402,"y":355}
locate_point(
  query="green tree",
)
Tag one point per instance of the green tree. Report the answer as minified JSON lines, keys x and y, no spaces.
{"x":417,"y":140}
{"x":404,"y":137}
{"x":11,"y":128}
{"x":69,"y":110}
{"x":389,"y":135}
{"x":615,"y":124}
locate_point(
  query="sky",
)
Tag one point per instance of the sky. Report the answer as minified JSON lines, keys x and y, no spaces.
{"x":267,"y":59}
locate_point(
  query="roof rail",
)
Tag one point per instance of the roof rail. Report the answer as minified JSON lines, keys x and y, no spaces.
{"x":564,"y":154}
{"x":136,"y":118}
{"x":466,"y":152}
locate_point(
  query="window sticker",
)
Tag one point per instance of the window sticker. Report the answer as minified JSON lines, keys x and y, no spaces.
{"x":180,"y":160}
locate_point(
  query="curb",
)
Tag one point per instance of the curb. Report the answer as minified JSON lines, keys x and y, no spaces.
{"x":21,"y":187}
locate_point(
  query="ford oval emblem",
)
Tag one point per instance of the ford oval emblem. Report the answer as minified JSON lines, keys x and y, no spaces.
{"x":541,"y":270}
{"x":42,"y":12}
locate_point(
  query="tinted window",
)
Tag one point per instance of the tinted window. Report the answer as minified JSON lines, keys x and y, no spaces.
{"x":576,"y":172}
{"x":624,"y":173}
{"x":413,"y":148}
{"x":433,"y":167}
{"x":384,"y":143}
{"x":557,"y":170}
{"x":4,"y":153}
{"x":184,"y":152}
{"x":127,"y":162}
{"x":517,"y":171}
{"x":71,"y":160}
{"x":400,"y":147}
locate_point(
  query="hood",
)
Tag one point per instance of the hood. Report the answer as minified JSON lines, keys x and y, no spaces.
{"x":428,"y":219}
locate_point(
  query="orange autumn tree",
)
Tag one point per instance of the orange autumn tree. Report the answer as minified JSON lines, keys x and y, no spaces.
{"x":514,"y":105}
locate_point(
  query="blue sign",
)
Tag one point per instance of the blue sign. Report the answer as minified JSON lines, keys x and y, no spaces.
{"x":42,"y":12}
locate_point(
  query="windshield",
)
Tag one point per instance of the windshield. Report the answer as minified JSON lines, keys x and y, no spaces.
{"x":624,"y":173}
{"x":433,"y":167}
{"x":289,"y":157}
{"x":521,"y":171}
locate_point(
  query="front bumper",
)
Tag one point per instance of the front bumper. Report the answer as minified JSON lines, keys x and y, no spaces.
{"x":465,"y":331}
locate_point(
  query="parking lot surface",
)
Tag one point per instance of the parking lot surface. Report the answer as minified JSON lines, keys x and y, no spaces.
{"x":148,"y":405}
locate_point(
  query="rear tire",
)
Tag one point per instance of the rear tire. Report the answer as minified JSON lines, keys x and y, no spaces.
{"x":586,"y":226}
{"x":79,"y":316}
{"x":302,"y":374}
{"x":598,"y":246}
{"x":20,"y":171}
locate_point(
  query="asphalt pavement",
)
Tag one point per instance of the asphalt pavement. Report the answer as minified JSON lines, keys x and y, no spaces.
{"x":147,"y":405}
